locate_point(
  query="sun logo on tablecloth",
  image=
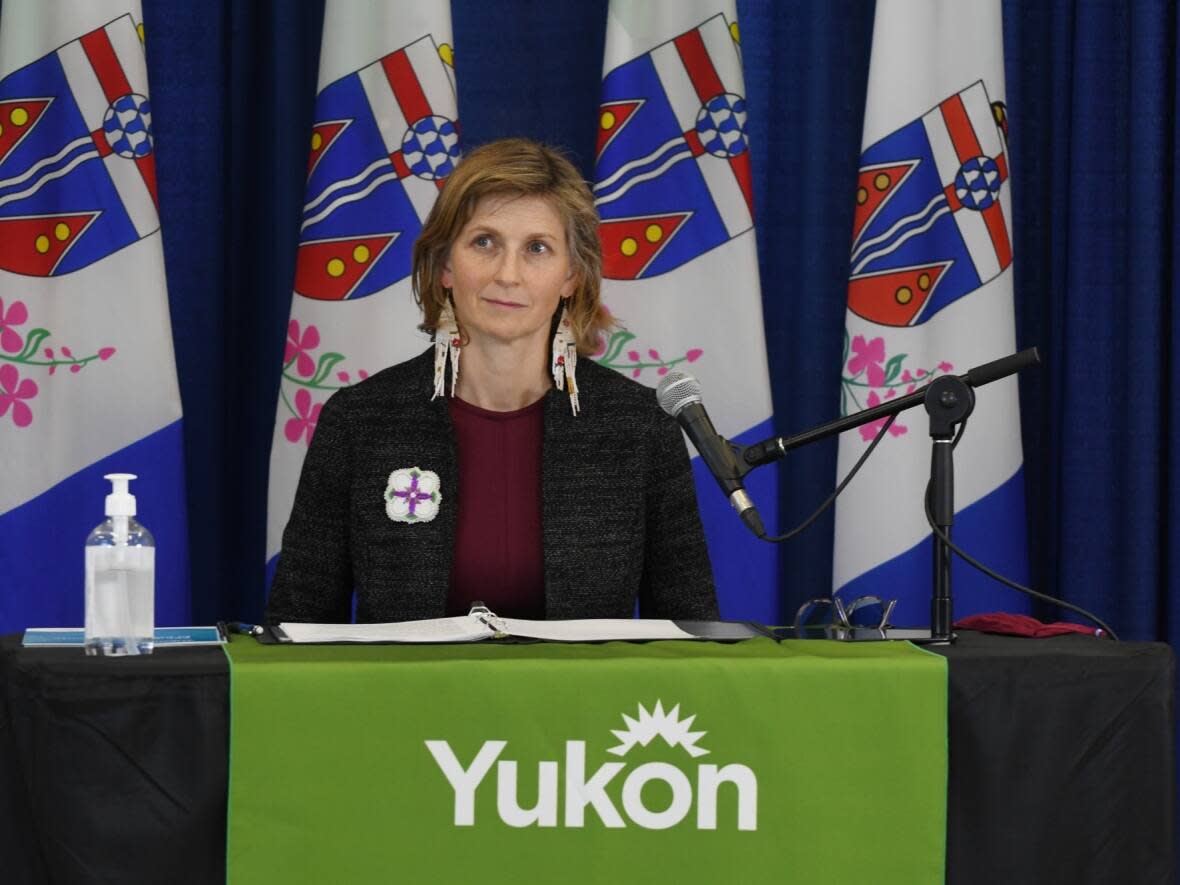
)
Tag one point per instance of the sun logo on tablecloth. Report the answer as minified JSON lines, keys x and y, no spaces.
{"x":674,"y":730}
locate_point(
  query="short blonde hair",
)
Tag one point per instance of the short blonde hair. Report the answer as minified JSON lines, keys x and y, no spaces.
{"x":517,"y":167}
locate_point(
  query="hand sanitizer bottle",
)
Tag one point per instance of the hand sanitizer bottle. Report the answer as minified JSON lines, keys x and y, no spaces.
{"x":120,"y":578}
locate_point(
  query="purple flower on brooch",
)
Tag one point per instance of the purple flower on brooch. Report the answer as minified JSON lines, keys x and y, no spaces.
{"x":412,"y":495}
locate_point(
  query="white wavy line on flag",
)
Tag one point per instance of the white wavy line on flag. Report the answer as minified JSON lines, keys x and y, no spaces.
{"x":47,"y":161}
{"x":350,"y":198}
{"x":627,"y":167}
{"x":917,"y":216}
{"x":337,"y":185}
{"x":646,"y":176}
{"x":44,"y":180}
{"x":909,"y":234}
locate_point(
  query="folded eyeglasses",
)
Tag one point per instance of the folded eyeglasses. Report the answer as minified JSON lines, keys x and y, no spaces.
{"x":863,"y":611}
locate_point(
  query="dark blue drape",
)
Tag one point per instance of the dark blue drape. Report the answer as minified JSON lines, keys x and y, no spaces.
{"x":1092,"y":102}
{"x":1092,"y":94}
{"x":233,"y":87}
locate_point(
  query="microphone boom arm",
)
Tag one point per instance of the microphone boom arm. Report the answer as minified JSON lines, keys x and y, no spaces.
{"x":777,"y":446}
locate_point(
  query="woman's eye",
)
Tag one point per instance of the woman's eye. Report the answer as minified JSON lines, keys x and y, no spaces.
{"x":482,"y":241}
{"x":538,"y":248}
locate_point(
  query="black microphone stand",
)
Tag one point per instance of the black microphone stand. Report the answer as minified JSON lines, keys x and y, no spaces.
{"x":948,"y":400}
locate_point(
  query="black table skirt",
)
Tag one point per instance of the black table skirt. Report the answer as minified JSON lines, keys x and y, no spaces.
{"x":1061,"y":764}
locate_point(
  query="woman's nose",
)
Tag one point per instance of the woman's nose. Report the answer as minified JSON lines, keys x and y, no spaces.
{"x":508,"y":271}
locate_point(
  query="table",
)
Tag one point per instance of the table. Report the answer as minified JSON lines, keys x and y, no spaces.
{"x":1061,"y":764}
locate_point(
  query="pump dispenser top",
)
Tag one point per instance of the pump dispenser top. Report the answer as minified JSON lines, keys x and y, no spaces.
{"x":120,"y":502}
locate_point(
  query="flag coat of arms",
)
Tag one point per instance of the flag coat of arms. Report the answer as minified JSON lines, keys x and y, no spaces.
{"x":930,"y":292}
{"x":673,"y":187}
{"x":384,"y":140}
{"x":87,"y":374}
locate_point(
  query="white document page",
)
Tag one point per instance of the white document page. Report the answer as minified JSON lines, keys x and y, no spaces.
{"x":461,"y":629}
{"x":594,"y":629}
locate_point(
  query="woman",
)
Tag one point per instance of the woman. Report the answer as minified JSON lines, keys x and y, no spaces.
{"x":498,"y":466}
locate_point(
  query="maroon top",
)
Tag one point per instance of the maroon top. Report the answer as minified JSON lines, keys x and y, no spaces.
{"x":498,"y":556}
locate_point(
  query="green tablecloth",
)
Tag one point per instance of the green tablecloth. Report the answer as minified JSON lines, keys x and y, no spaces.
{"x":807,"y":762}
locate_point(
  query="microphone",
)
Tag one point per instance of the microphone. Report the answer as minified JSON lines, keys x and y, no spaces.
{"x":680,"y":396}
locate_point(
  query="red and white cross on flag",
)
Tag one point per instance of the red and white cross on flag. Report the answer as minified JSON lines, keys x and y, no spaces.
{"x":103,"y":75}
{"x":962,"y":130}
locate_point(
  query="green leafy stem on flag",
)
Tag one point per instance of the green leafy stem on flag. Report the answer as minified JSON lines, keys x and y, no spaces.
{"x":611,"y":355}
{"x":324,"y":367}
{"x":319,"y":378}
{"x":867,"y":367}
{"x":25,"y":348}
{"x":308,"y":371}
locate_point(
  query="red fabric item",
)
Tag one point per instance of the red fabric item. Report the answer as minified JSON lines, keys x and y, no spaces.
{"x":498,"y":556}
{"x":1021,"y":625}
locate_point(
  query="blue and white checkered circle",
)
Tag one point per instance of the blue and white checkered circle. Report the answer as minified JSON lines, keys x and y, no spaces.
{"x":431,"y":147}
{"x":977,"y":183}
{"x":721,"y":125}
{"x":127,"y":125}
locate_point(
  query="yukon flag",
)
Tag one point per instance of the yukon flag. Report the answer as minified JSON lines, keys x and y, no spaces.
{"x":385,"y":138}
{"x":87,"y":375}
{"x":929,"y":293}
{"x":673,"y":186}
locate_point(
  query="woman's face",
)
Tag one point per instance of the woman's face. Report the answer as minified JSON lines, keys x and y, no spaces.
{"x":508,"y":268}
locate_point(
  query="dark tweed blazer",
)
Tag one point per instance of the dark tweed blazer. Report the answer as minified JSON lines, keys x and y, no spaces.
{"x":619,"y":513}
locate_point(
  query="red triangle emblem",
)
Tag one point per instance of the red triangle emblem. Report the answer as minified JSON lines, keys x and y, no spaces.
{"x":629,"y":245}
{"x":612,"y":117}
{"x":18,"y":116}
{"x":34,"y":245}
{"x":322,"y":136}
{"x":328,"y":270}
{"x":874,"y":186}
{"x":894,"y":297}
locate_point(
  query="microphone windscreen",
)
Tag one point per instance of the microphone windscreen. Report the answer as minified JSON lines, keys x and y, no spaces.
{"x":676,"y":391}
{"x":1003,"y":367}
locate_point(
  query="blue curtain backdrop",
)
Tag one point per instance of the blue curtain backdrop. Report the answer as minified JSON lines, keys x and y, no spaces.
{"x":1092,"y":101}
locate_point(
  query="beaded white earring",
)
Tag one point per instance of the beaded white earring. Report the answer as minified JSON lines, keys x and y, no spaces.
{"x":565,"y":359}
{"x":446,"y":343}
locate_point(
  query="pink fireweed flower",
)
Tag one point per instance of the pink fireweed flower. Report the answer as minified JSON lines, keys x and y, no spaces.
{"x":693,"y":355}
{"x":944,"y":366}
{"x":298,"y":346}
{"x":13,"y":389}
{"x":296,"y":428}
{"x":870,"y":430}
{"x":868,"y":359}
{"x":10,"y":339}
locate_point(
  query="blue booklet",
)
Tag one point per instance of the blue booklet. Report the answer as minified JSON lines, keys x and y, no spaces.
{"x":64,"y":637}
